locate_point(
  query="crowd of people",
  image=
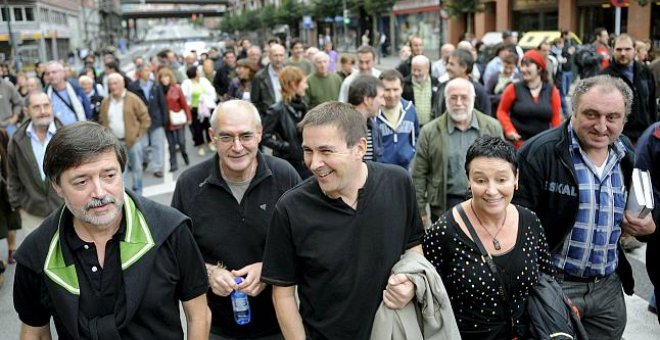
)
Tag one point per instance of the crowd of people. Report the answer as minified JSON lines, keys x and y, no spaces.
{"x":337,"y":196}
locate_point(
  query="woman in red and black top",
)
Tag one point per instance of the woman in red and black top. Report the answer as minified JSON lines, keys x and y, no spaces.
{"x":176,"y":101}
{"x":531,"y":106}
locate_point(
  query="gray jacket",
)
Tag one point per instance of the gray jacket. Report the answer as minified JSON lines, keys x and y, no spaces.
{"x":429,"y":316}
{"x":10,"y":100}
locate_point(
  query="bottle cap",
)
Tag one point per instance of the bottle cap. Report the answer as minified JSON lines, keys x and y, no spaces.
{"x":238,"y":280}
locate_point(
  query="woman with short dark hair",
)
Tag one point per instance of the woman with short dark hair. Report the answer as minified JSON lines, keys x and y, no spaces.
{"x":511,"y":235}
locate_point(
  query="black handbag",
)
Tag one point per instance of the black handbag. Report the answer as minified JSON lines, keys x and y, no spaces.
{"x":552,"y":315}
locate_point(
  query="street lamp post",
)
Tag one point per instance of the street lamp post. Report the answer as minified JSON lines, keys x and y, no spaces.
{"x":12,"y":45}
{"x":344,"y":16}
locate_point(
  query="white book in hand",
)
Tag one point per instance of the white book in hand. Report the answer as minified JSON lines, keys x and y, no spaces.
{"x":640,"y":197}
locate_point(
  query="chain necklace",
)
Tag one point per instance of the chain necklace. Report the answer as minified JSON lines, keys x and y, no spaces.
{"x":496,"y":242}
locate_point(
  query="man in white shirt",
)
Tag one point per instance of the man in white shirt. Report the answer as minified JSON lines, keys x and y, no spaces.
{"x":25,"y":186}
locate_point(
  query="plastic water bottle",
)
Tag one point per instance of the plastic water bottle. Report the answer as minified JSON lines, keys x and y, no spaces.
{"x":241,"y":305}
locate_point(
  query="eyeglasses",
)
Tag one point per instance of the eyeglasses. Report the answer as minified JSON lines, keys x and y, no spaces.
{"x":244,"y":138}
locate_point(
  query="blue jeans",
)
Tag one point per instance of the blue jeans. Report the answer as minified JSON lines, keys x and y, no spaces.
{"x":154,"y":143}
{"x":135,"y":157}
{"x":566,"y":80}
{"x":174,"y":138}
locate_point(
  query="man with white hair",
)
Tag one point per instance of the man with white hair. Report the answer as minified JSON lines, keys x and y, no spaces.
{"x":311,"y":52}
{"x":438,"y":168}
{"x":231,"y":197}
{"x":439,"y":68}
{"x":70,"y":104}
{"x":254,"y":54}
{"x":189,"y":60}
{"x":421,"y":89}
{"x":323,"y":86}
{"x":128,"y":119}
{"x":25,"y":175}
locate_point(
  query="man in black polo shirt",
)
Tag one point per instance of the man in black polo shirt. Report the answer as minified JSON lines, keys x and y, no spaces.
{"x":108,"y":264}
{"x":337,"y":235}
{"x":231,"y":198}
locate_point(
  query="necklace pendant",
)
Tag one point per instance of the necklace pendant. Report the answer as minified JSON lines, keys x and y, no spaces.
{"x":497,"y":244}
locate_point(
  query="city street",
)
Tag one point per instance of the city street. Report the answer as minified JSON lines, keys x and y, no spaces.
{"x":641,"y":324}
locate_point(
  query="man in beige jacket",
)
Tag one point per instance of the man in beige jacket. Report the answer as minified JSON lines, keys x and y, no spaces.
{"x":128,"y":119}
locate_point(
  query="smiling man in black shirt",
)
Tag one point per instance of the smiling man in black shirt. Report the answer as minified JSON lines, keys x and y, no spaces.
{"x":337,"y":235}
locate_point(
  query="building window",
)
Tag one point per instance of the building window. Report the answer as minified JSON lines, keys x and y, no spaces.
{"x":18,"y":13}
{"x":43,"y":13}
{"x":29,"y":14}
{"x":57,"y":18}
{"x":5,"y":14}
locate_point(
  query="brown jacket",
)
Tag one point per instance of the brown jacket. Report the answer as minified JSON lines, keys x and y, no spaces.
{"x":136,"y":117}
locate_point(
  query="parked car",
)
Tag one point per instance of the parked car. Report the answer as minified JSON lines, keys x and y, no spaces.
{"x":533,"y":39}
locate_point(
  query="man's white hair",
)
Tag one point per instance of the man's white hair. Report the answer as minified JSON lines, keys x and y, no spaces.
{"x":319,"y":55}
{"x":234,"y":105}
{"x":420,"y":60}
{"x":456,"y":82}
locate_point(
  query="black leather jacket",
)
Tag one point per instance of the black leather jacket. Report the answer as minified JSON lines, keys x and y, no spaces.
{"x":281,"y":132}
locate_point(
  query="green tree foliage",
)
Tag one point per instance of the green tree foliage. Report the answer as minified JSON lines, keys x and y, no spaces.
{"x":375,"y":8}
{"x":458,"y":8}
{"x":267,"y":17}
{"x":289,"y":12}
{"x":326,"y":8}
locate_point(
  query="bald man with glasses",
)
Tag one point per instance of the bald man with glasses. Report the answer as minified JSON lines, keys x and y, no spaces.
{"x":230,"y":197}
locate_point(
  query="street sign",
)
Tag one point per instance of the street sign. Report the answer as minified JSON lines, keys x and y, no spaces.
{"x":307,"y":22}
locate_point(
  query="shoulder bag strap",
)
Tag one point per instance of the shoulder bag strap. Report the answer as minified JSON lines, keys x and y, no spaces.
{"x":491,"y":264}
{"x":69,"y":105}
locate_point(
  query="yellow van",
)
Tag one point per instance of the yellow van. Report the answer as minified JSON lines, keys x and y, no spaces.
{"x":533,"y":39}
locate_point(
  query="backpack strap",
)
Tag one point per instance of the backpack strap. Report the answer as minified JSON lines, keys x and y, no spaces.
{"x":486,"y":257}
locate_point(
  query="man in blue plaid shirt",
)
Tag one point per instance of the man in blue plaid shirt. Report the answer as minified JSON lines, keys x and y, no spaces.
{"x":575,"y":177}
